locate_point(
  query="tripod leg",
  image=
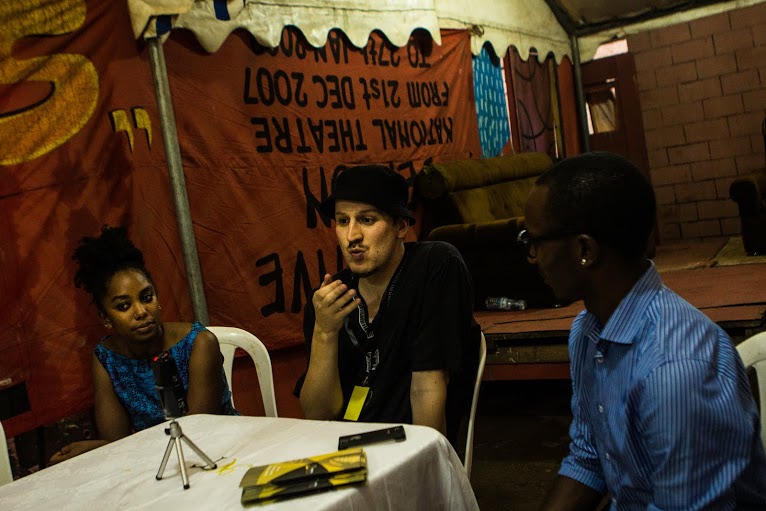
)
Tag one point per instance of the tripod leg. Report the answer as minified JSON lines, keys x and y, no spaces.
{"x":210,"y":463}
{"x":174,"y":430}
{"x":165,"y":459}
{"x":182,"y":462}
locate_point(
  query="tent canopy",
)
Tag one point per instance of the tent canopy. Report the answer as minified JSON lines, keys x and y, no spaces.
{"x":545,"y":25}
{"x":582,"y":17}
{"x":524,"y":24}
{"x":212,"y":20}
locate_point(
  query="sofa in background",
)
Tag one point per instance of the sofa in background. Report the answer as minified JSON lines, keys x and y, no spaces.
{"x":478,"y":206}
{"x":749,"y":192}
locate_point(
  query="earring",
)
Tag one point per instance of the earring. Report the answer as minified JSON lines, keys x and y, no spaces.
{"x":583,"y":261}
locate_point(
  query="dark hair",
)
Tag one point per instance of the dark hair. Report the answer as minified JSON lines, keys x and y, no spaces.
{"x":603,"y":195}
{"x":99,"y":258}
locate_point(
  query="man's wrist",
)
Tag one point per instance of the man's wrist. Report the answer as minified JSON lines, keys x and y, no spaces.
{"x":325,"y":337}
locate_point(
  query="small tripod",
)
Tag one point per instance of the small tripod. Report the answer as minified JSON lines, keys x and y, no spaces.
{"x":176,"y":435}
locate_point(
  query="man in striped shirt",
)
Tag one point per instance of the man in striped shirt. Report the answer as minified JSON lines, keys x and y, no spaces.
{"x":663,"y":415}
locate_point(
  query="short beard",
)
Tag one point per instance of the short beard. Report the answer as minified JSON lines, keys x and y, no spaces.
{"x":365,"y":274}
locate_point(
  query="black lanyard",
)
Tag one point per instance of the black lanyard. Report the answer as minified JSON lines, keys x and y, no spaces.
{"x":362,"y":311}
{"x":370,"y":348}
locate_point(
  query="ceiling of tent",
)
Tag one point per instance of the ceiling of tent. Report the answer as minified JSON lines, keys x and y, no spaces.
{"x":212,"y":21}
{"x":583,"y":17}
{"x":545,"y":25}
{"x":525,"y":24}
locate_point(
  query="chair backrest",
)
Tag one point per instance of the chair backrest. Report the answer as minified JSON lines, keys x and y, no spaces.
{"x":753,"y":353}
{"x":468,"y":461}
{"x":230,"y":339}
{"x":6,"y":474}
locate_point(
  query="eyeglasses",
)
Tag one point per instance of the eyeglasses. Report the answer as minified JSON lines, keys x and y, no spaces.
{"x":530,"y":242}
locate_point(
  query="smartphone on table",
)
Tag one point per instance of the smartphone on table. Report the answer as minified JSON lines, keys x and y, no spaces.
{"x":391,"y":434}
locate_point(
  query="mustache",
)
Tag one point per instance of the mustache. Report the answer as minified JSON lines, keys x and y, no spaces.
{"x":352,"y":246}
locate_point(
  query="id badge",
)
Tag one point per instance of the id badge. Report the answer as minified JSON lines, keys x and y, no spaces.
{"x":355,"y":404}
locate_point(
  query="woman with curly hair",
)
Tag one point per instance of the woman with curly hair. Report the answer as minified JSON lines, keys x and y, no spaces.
{"x":112,"y":270}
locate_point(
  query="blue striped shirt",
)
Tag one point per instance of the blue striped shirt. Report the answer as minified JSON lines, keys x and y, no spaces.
{"x":663,"y":415}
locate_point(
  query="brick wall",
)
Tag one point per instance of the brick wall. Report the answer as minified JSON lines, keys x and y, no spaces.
{"x":702,"y":87}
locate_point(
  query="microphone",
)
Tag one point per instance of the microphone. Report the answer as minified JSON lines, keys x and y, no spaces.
{"x":169,"y":386}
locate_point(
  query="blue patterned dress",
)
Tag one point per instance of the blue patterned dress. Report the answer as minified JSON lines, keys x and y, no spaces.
{"x":133,"y":381}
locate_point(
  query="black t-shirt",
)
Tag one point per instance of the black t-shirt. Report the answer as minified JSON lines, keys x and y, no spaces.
{"x":425,"y":322}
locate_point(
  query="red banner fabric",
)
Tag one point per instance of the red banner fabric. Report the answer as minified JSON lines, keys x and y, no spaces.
{"x":262,"y":133}
{"x":534,"y":103}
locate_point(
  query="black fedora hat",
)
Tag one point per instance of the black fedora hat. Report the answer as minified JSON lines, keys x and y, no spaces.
{"x":376,"y":185}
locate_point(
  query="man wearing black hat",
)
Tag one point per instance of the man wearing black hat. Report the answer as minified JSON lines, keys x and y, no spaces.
{"x":391,"y":338}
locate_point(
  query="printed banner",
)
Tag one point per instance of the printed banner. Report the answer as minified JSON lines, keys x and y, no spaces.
{"x":262,"y":134}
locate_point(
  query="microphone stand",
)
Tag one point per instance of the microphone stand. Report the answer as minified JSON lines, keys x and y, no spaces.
{"x":176,"y":435}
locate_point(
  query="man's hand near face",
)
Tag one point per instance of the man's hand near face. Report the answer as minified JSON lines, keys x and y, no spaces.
{"x":321,"y":395}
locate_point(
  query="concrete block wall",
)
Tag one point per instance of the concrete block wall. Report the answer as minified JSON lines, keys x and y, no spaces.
{"x":702,"y":88}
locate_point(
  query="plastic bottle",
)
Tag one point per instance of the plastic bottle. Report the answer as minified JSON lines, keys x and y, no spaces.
{"x":505,"y":303}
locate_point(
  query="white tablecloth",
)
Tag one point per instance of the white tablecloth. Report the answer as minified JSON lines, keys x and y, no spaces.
{"x":421,"y":473}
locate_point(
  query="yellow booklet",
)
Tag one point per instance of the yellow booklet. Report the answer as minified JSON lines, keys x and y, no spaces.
{"x":288,"y":479}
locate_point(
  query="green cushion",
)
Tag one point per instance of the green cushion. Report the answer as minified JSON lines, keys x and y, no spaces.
{"x":478,"y":206}
{"x":496,"y":234}
{"x":497,"y":201}
{"x":437,"y":179}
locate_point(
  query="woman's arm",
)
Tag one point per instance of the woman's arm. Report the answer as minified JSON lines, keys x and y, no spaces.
{"x":205,"y":380}
{"x":75,"y":449}
{"x":112,"y":421}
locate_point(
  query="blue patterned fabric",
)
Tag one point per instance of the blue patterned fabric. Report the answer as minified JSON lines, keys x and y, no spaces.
{"x":491,"y":105}
{"x":133,"y":381}
{"x":164,"y":24}
{"x":663,"y":415}
{"x":221,"y":10}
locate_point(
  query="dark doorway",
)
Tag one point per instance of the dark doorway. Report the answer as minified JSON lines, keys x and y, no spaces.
{"x":613,"y":108}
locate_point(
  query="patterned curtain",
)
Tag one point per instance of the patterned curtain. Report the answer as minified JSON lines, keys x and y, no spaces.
{"x":535,"y":96}
{"x":491,"y":106}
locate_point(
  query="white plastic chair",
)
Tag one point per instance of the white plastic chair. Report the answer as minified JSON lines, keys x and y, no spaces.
{"x":474,"y":401}
{"x":6,"y":475}
{"x":753,"y":353}
{"x":230,"y":339}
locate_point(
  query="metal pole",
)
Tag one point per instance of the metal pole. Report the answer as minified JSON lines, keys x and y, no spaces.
{"x":177,"y":179}
{"x":580,"y":93}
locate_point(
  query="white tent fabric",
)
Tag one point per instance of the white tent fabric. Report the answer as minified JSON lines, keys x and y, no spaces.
{"x":142,"y":11}
{"x":265,"y":19}
{"x":524,"y":24}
